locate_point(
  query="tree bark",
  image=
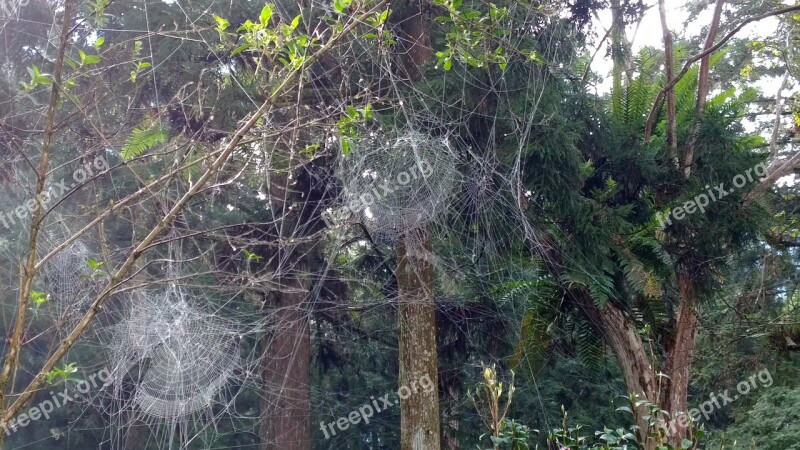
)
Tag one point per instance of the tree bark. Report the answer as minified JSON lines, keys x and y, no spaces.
{"x":419,"y":412}
{"x":617,"y":52}
{"x":285,"y":402}
{"x":413,"y":39}
{"x":27,"y":268}
{"x":680,"y":351}
{"x":637,"y":369}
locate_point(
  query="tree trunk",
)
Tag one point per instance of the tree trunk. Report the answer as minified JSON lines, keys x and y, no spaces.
{"x":285,"y":401}
{"x":619,"y":47}
{"x":637,"y":369}
{"x":419,"y":412}
{"x":413,"y":39}
{"x":679,"y":359}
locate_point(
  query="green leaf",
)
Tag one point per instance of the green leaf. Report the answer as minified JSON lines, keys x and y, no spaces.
{"x":266,"y":14}
{"x":341,"y":5}
{"x":99,"y":42}
{"x":686,"y":444}
{"x":448,"y":64}
{"x":248,"y":25}
{"x":240,"y":49}
{"x":471,"y":14}
{"x":64,"y":373}
{"x":38,"y":298}
{"x":88,"y":60}
{"x":222,"y":24}
{"x":295,"y":22}
{"x":251,"y":256}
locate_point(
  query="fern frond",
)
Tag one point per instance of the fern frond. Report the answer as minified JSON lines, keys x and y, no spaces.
{"x":588,"y":342}
{"x":530,"y":352}
{"x":600,"y":286}
{"x":144,"y":137}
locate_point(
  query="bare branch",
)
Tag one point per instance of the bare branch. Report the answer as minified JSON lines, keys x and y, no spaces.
{"x":672,"y":130}
{"x":702,"y":91}
{"x":27,"y":269}
{"x":773,"y":176}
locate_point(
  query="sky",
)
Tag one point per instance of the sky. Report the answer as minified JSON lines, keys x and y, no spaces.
{"x":649,"y":33}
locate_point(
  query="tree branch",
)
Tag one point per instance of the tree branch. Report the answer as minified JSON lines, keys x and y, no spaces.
{"x":702,"y":91}
{"x":776,"y":125}
{"x":672,"y":130}
{"x":27,"y":269}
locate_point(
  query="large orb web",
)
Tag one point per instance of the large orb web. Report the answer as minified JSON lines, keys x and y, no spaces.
{"x":183,"y":379}
{"x":395,"y":184}
{"x":179,"y":355}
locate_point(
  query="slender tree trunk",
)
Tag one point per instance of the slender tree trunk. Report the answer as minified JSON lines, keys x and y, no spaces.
{"x":416,"y":314}
{"x":618,"y":53}
{"x":285,"y":401}
{"x":27,"y":267}
{"x":702,"y":90}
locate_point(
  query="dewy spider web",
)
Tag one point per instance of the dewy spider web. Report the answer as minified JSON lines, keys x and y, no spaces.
{"x":172,"y":361}
{"x":396,"y":184}
{"x":183,"y":356}
{"x":67,"y":280}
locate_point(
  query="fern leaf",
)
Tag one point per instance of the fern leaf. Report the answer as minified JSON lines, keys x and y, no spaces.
{"x":143,"y":138}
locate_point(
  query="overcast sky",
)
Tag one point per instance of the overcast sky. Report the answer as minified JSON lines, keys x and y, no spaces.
{"x":649,"y":34}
